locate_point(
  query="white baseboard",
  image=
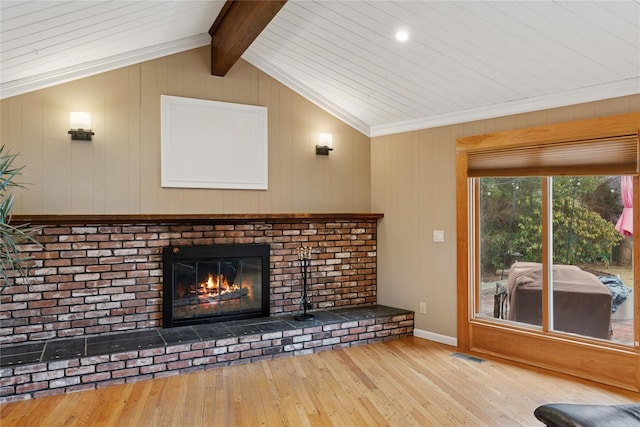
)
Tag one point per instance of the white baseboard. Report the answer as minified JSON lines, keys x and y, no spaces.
{"x":431,"y":336}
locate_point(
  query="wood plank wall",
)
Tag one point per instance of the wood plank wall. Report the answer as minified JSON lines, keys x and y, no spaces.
{"x":119,"y":171}
{"x":414,"y":185}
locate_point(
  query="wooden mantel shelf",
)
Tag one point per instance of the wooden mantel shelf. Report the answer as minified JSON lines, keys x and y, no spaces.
{"x":192,"y":218}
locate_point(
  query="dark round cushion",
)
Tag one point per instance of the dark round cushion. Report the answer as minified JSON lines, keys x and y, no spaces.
{"x":578,"y":415}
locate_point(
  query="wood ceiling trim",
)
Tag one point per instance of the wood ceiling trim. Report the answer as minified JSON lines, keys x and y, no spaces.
{"x":236,"y":27}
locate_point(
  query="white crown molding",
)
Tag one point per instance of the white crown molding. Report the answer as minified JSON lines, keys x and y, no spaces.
{"x":573,"y":97}
{"x":74,"y":72}
{"x":595,"y":93}
{"x":302,"y":90}
{"x":578,"y":96}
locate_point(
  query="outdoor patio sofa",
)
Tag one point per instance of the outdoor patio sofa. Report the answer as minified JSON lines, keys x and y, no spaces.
{"x":581,"y":302}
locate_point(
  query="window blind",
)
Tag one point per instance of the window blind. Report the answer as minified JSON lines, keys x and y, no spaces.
{"x":615,"y":155}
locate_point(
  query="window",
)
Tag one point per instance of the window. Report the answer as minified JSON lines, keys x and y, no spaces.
{"x":592,"y":273}
{"x":544,"y":276}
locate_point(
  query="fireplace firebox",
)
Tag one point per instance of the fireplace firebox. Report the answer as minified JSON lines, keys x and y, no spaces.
{"x":214,"y":283}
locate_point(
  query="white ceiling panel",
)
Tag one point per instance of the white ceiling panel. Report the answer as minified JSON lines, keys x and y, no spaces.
{"x":464,"y":60}
{"x":44,"y":39}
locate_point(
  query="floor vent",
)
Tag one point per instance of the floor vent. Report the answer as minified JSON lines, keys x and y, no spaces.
{"x":467,"y":357}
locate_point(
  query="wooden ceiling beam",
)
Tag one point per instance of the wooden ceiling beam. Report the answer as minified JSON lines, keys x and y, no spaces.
{"x":236,"y":27}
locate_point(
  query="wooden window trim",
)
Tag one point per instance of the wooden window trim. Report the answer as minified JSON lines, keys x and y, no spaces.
{"x":579,"y":356}
{"x":601,"y":127}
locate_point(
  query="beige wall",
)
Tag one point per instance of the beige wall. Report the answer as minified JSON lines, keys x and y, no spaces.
{"x":413,"y":184}
{"x":119,"y":171}
{"x":409,"y":177}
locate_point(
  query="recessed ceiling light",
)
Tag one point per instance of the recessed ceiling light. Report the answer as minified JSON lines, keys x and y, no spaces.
{"x":402,"y":36}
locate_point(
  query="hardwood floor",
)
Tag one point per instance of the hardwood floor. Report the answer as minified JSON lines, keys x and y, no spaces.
{"x":408,"y":382}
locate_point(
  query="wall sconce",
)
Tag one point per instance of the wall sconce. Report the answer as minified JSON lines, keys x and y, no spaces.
{"x":325,"y":144}
{"x":80,"y":126}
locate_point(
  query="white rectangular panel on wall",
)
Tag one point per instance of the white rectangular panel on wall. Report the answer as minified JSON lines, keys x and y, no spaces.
{"x":211,"y":144}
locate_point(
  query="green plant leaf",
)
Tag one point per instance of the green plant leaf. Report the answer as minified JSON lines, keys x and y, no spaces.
{"x":11,"y":258}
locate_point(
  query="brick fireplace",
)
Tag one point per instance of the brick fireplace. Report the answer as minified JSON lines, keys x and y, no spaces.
{"x":103,"y":274}
{"x":92,"y":316}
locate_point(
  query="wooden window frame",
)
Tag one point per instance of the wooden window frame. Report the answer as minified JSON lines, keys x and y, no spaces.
{"x":579,"y":356}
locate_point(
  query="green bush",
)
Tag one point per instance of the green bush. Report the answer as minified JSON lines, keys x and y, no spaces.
{"x":583,"y":211}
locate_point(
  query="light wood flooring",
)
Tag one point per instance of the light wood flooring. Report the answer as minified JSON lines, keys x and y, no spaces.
{"x":407,"y":382}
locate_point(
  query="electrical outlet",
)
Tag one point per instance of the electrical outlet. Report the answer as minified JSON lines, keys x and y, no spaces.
{"x":423,"y":308}
{"x":438,"y":235}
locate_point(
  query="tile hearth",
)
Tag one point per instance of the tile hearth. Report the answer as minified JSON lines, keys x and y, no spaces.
{"x":66,"y":348}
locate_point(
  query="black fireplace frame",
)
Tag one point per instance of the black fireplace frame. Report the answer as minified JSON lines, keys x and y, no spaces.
{"x":173,"y":254}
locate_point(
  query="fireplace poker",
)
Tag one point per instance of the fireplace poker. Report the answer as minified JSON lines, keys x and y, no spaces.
{"x":304,"y":255}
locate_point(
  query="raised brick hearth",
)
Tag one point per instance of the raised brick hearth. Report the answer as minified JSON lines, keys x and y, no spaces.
{"x":73,"y":364}
{"x":99,"y":276}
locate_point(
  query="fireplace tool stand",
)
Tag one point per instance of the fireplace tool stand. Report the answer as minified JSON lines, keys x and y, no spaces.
{"x":304,"y":255}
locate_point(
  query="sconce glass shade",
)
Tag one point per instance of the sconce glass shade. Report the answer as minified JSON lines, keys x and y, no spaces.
{"x":80,"y":120}
{"x":325,"y":144}
{"x":325,"y":139}
{"x":80,"y":126}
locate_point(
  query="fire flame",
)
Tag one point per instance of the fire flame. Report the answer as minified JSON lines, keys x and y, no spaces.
{"x":218,"y":285}
{"x":209,"y":283}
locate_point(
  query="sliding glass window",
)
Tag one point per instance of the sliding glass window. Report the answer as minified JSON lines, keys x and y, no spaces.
{"x":555,"y":253}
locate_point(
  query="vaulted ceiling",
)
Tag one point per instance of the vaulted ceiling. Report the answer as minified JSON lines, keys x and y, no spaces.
{"x":462,"y":60}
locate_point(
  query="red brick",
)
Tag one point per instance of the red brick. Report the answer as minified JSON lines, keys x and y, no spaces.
{"x":179,"y":364}
{"x":28,"y":369}
{"x":228,"y":357}
{"x":191,"y":354}
{"x":140,"y":362}
{"x":239,"y":347}
{"x":64,"y":382}
{"x":130,"y":372}
{"x":31,"y":387}
{"x":130,"y":355}
{"x":110,"y":366}
{"x":9,"y":307}
{"x":178,"y":348}
{"x":81,"y":370}
{"x":151,"y":352}
{"x":250,"y":353}
{"x":153,"y":368}
{"x":166,"y":358}
{"x":96,"y":377}
{"x":13,"y":380}
{"x":205,"y":360}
